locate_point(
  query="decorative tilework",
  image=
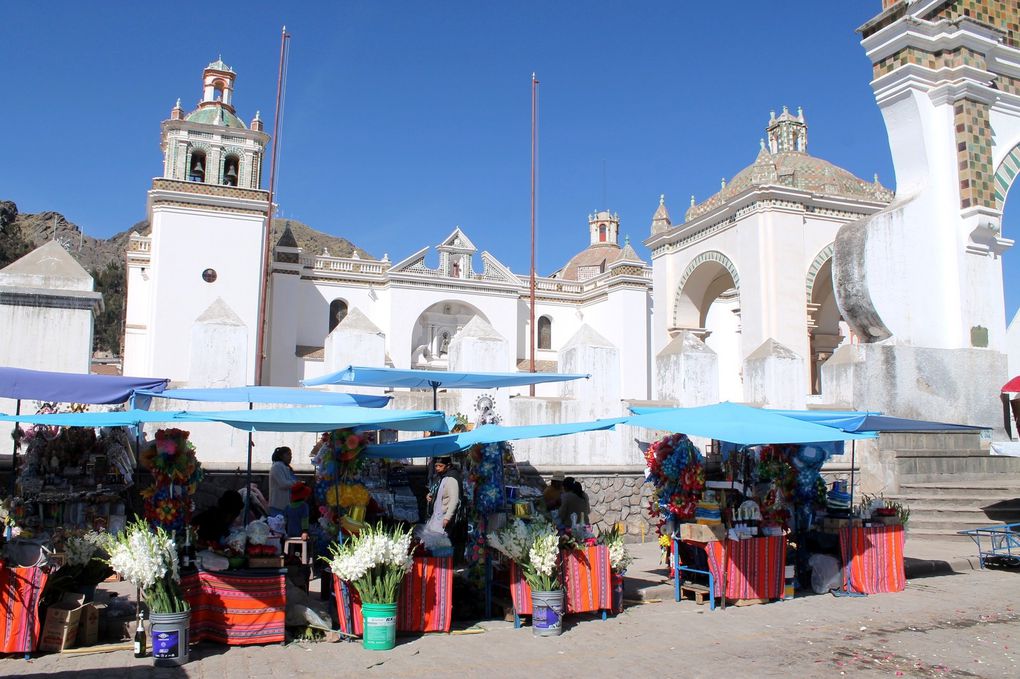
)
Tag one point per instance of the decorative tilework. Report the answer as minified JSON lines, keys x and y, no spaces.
{"x":1001,"y":14}
{"x":822,"y":257}
{"x":962,"y":56}
{"x":1004,"y":176}
{"x":974,"y":153}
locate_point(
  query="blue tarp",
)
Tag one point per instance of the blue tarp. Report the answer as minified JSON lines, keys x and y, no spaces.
{"x":740,"y":424}
{"x":291,"y":395}
{"x":321,"y":418}
{"x":867,"y":421}
{"x":40,"y":385}
{"x":128,"y":418}
{"x":394,"y":377}
{"x":487,"y":433}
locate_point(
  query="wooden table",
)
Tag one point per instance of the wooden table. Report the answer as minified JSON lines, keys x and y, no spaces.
{"x":873,"y":559}
{"x":239,"y":607}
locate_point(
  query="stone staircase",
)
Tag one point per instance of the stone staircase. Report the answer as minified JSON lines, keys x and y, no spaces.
{"x":951,"y":484}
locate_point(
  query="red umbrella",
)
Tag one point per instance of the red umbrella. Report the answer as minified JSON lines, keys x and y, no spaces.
{"x":1012,"y":385}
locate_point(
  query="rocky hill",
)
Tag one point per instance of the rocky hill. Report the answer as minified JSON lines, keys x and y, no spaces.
{"x":104,"y":257}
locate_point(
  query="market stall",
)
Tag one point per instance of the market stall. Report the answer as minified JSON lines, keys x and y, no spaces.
{"x":238,"y":607}
{"x":735,"y":528}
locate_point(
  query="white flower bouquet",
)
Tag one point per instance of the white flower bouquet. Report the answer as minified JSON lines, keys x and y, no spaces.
{"x":534,"y":547}
{"x":148,"y":558}
{"x":374,"y":562}
{"x":619,"y":555}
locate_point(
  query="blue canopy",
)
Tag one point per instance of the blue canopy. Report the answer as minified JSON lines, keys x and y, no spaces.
{"x":129,"y":418}
{"x":487,"y":433}
{"x":40,"y":385}
{"x":871,"y":421}
{"x":323,"y":418}
{"x":740,"y":424}
{"x":395,"y":377}
{"x":290,"y":395}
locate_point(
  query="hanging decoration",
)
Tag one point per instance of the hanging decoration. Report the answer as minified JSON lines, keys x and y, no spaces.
{"x":176,"y":474}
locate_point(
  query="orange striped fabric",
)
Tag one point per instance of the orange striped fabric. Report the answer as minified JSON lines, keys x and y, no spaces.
{"x":873,"y":558}
{"x":588,"y":579}
{"x":237,"y":608}
{"x":424,"y":604}
{"x":755,"y":568}
{"x":20,"y":589}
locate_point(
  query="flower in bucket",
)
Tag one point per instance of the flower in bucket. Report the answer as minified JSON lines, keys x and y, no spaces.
{"x":148,"y":559}
{"x":619,"y":555}
{"x":534,"y":547}
{"x":374,"y":562}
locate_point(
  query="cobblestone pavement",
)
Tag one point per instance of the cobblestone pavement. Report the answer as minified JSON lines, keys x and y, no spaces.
{"x":945,"y":626}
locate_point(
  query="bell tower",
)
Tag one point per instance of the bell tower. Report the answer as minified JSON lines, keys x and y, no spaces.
{"x":207,"y":213}
{"x":604,"y":228}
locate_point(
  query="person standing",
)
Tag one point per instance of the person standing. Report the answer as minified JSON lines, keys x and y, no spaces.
{"x":444,"y":498}
{"x":281,"y":480}
{"x":574,"y":507}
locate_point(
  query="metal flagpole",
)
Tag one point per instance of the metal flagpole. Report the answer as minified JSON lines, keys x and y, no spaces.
{"x":534,"y":147}
{"x":267,"y":230}
{"x":14,"y":452}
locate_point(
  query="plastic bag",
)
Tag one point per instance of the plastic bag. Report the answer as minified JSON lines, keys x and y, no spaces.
{"x":825,"y":573}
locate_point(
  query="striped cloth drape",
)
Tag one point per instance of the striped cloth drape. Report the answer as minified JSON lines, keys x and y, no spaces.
{"x":873,"y":558}
{"x":20,"y":589}
{"x":237,"y":608}
{"x":424,"y":603}
{"x":588,"y":579}
{"x":755,"y":568}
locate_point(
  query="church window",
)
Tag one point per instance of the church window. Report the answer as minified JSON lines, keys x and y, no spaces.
{"x":545,"y":333}
{"x":231,"y":165}
{"x":196,"y":172}
{"x":218,"y":90}
{"x":209,"y":275}
{"x":337,"y":313}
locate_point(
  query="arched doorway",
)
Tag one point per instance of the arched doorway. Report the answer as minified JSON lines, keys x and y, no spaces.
{"x":823,"y":318}
{"x":435,"y":328}
{"x":708,"y":304}
{"x":1004,"y":180}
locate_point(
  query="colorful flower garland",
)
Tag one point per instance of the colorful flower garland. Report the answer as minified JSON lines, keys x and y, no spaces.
{"x":337,"y":459}
{"x":176,"y":474}
{"x":678,"y":474}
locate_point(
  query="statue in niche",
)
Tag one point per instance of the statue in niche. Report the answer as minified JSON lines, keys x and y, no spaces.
{"x":444,"y":343}
{"x":456,"y":270}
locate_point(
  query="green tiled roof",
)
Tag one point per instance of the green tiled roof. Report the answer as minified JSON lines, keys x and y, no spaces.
{"x":216,"y":115}
{"x":220,"y":66}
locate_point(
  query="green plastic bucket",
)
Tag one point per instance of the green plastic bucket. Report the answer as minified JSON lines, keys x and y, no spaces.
{"x":169,"y":633}
{"x":380,"y":626}
{"x":547,"y":613}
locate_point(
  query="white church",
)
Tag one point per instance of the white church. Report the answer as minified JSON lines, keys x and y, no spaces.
{"x":797,"y":284}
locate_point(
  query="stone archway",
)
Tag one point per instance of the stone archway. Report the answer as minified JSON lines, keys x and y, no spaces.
{"x":708,"y":303}
{"x":434,"y":330}
{"x":823,"y":317}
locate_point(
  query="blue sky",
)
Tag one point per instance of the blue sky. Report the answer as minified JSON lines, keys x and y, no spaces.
{"x":404,"y":120}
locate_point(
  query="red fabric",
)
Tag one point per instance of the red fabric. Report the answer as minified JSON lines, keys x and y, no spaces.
{"x":20,"y":589}
{"x":617,"y":593}
{"x":520,"y":590}
{"x":1013,"y":385}
{"x":873,"y":558}
{"x":239,"y":608}
{"x":424,"y":604}
{"x":755,"y":568}
{"x":588,"y":579}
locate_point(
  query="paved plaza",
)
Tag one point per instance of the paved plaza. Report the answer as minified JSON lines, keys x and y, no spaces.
{"x":961,"y":624}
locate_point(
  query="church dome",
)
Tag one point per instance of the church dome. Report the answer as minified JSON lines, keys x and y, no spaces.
{"x":216,"y":115}
{"x":786,"y":162}
{"x":590,"y":262}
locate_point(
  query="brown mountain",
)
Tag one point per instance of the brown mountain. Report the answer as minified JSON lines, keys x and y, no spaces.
{"x":104,"y":257}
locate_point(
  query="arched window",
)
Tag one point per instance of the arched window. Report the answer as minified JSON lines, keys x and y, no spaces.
{"x":196,"y":173}
{"x":337,"y":313}
{"x":602,"y":233}
{"x":231,"y":166}
{"x":218,"y":90}
{"x":545,"y":333}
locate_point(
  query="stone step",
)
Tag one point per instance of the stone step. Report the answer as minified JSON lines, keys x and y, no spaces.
{"x":953,"y":502}
{"x":999,"y":488}
{"x":938,"y":478}
{"x":948,"y":525}
{"x":975,"y":452}
{"x":922,"y":515}
{"x":927,"y":534}
{"x":988,"y":464}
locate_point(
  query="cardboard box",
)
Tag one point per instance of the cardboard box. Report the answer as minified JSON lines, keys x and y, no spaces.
{"x":88,"y":624}
{"x":61,"y":627}
{"x":697,"y":532}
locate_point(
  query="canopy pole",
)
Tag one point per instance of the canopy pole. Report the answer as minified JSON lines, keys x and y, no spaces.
{"x":435,"y":394}
{"x":14,"y":452}
{"x":853,"y":463}
{"x":534,"y":152}
{"x":247,"y":476}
